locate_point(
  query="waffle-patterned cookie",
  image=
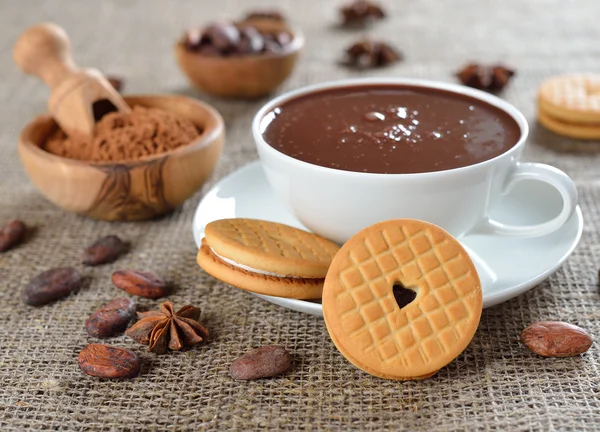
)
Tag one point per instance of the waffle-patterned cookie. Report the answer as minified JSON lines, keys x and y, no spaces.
{"x":266,"y":257}
{"x":362,"y":315}
{"x":571,"y":98}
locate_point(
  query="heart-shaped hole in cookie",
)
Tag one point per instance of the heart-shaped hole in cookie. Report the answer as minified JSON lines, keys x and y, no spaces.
{"x":403,"y":296}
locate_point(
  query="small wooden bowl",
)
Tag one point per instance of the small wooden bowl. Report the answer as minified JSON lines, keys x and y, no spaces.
{"x":134,"y":190}
{"x":242,"y":76}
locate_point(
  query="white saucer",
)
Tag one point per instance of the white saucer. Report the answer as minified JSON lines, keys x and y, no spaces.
{"x":507,"y":266}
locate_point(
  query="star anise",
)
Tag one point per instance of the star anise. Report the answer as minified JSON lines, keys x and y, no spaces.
{"x":361,"y":12}
{"x":166,"y":328}
{"x":488,"y":78}
{"x":369,"y":53}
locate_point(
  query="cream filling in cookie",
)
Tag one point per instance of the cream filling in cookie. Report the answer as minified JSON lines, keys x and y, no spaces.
{"x":250,"y":269}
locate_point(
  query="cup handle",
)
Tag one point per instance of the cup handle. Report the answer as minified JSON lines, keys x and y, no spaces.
{"x":547,"y":174}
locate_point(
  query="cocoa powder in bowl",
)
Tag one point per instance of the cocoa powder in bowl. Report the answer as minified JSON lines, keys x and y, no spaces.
{"x":120,"y":137}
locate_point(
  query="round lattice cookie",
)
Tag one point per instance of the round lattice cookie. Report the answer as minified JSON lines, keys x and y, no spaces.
{"x":366,"y":322}
{"x":571,"y":98}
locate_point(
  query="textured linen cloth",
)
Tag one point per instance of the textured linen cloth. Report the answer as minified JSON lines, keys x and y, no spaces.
{"x":496,"y":384}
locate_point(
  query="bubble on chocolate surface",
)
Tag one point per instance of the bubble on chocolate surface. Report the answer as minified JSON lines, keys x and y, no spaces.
{"x":374,"y":116}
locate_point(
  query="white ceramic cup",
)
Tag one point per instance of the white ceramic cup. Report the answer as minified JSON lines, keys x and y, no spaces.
{"x":336,"y":204}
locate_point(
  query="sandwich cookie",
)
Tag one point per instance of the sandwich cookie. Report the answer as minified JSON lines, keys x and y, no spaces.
{"x":266,"y":257}
{"x":402,"y":299}
{"x":569,"y":105}
{"x":581,"y":131}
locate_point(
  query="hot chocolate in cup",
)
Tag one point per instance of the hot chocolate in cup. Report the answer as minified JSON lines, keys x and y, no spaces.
{"x":347,"y":154}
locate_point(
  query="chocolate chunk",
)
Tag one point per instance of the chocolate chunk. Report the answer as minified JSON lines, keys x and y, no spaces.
{"x":228,"y":39}
{"x":224,"y":36}
{"x":370,"y":54}
{"x":361,"y":13}
{"x":489,"y":78}
{"x":251,"y":41}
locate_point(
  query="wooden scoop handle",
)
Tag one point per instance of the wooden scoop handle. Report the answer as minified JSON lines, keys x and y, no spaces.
{"x":44,"y":50}
{"x":79,"y":97}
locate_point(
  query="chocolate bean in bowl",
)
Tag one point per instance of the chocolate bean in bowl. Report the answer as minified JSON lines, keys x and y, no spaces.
{"x":106,"y":156}
{"x":244,"y":59}
{"x":348,"y":154}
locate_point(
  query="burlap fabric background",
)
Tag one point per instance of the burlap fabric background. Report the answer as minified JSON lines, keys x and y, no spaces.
{"x":494,"y":384}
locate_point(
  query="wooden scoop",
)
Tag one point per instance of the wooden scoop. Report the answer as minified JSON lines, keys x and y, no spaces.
{"x":79,"y":97}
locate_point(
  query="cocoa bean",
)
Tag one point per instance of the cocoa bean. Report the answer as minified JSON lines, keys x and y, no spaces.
{"x":143,"y":284}
{"x":51,"y":285}
{"x":12,"y":235}
{"x":556,"y":339}
{"x":105,"y":361}
{"x":105,"y":250}
{"x":111,"y":319}
{"x":266,"y":361}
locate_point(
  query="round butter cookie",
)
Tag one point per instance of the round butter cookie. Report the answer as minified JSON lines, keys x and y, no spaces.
{"x":571,"y":98}
{"x":583,"y":131}
{"x":266,"y":257}
{"x":408,"y":341}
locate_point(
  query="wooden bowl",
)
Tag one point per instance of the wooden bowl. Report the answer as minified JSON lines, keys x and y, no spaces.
{"x":242,"y":76}
{"x":135,"y":190}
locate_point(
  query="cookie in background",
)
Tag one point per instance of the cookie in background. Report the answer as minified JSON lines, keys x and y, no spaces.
{"x":569,"y":105}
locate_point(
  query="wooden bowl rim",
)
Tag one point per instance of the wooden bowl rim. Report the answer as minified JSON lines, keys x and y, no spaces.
{"x":290,"y":49}
{"x":209,"y":136}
